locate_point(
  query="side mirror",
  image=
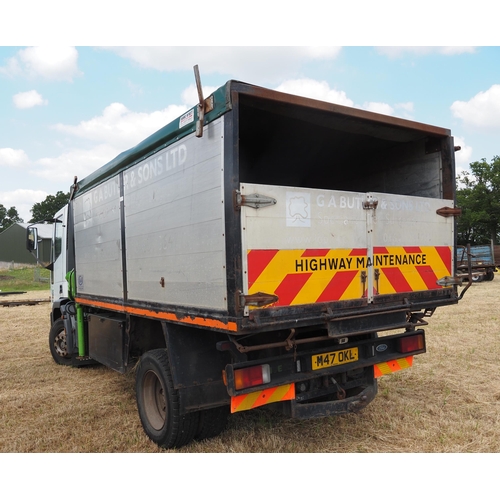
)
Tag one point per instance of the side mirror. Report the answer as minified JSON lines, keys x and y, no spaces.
{"x":32,"y":239}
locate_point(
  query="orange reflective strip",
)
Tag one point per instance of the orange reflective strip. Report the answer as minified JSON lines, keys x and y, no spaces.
{"x":392,"y":366}
{"x":191,"y":320}
{"x":264,"y":397}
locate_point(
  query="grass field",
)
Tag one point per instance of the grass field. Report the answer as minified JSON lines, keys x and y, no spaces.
{"x":29,"y":278}
{"x":448,"y":402}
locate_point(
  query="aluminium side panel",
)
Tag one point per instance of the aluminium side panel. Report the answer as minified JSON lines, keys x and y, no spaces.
{"x":174,"y":224}
{"x":98,"y":254}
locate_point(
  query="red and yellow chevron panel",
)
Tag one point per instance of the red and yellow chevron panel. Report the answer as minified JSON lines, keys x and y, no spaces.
{"x":392,"y":366}
{"x":264,"y":397}
{"x":322,"y":275}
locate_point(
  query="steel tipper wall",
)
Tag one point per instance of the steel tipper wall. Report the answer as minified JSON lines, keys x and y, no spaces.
{"x":154,"y":233}
{"x":174,"y":217}
{"x":98,"y":241}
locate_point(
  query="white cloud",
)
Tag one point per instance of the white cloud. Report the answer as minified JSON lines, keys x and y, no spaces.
{"x":394,"y":52}
{"x":121,"y":128}
{"x":189,"y":95}
{"x":255,"y":64}
{"x":482,"y":111}
{"x":321,"y":52}
{"x":23,"y":200}
{"x":25,"y":100}
{"x":115,"y":130}
{"x":50,"y":63}
{"x":406,"y":106}
{"x":405,"y":109}
{"x":379,"y":107}
{"x":12,"y":68}
{"x":77,"y":162}
{"x":13,"y":158}
{"x":314,"y":89}
{"x":462,"y":157}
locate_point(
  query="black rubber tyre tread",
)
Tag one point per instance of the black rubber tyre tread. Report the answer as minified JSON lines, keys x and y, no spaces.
{"x":56,"y":329}
{"x":212,"y":423}
{"x":177,"y":430}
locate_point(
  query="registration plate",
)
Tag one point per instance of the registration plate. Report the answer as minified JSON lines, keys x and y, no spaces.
{"x":328,"y":359}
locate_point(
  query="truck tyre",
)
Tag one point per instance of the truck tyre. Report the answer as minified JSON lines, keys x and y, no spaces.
{"x":212,"y":423}
{"x":477,"y":278}
{"x":490,"y":275}
{"x":158,"y":403}
{"x":58,"y":343}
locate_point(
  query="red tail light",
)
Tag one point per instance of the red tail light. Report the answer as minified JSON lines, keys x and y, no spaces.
{"x":250,"y":377}
{"x":411,"y":344}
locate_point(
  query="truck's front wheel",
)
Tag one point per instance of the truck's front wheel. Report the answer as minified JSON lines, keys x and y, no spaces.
{"x":158,"y":403}
{"x":58,"y":343}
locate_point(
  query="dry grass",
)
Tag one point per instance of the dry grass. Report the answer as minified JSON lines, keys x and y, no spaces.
{"x":448,"y":402}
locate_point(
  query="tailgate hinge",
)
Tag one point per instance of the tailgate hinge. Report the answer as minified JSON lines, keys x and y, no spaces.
{"x":259,"y":299}
{"x":449,"y":212}
{"x":253,"y":200}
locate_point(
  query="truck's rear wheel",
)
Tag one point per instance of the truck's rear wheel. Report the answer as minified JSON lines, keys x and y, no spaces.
{"x":158,"y":403}
{"x":58,"y":343}
{"x":212,"y":422}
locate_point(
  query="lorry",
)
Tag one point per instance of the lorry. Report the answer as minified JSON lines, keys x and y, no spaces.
{"x":483,"y":262}
{"x":261,"y":249}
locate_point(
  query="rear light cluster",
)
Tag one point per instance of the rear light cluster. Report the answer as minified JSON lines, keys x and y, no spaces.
{"x":411,"y":344}
{"x":250,"y":377}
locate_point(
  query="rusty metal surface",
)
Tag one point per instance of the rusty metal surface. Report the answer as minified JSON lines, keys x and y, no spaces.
{"x":370,"y":119}
{"x":449,"y":212}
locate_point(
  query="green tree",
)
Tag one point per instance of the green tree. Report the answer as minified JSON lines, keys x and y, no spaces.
{"x":8,"y":217}
{"x":479,"y":199}
{"x":46,"y":209}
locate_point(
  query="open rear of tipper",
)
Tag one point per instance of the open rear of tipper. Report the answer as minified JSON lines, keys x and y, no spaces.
{"x":272,"y":249}
{"x":340,"y":210}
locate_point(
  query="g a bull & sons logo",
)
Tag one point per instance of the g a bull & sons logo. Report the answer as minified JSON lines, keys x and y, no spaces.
{"x":298,"y":209}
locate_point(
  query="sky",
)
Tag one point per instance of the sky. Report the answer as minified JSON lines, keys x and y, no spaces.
{"x":67,"y":109}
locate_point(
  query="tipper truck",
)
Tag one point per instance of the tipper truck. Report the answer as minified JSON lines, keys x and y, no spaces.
{"x":262,"y":249}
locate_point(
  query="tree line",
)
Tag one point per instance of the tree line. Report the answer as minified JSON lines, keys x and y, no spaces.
{"x":478,"y":195}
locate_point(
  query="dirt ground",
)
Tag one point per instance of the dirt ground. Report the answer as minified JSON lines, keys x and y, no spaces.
{"x":448,"y":402}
